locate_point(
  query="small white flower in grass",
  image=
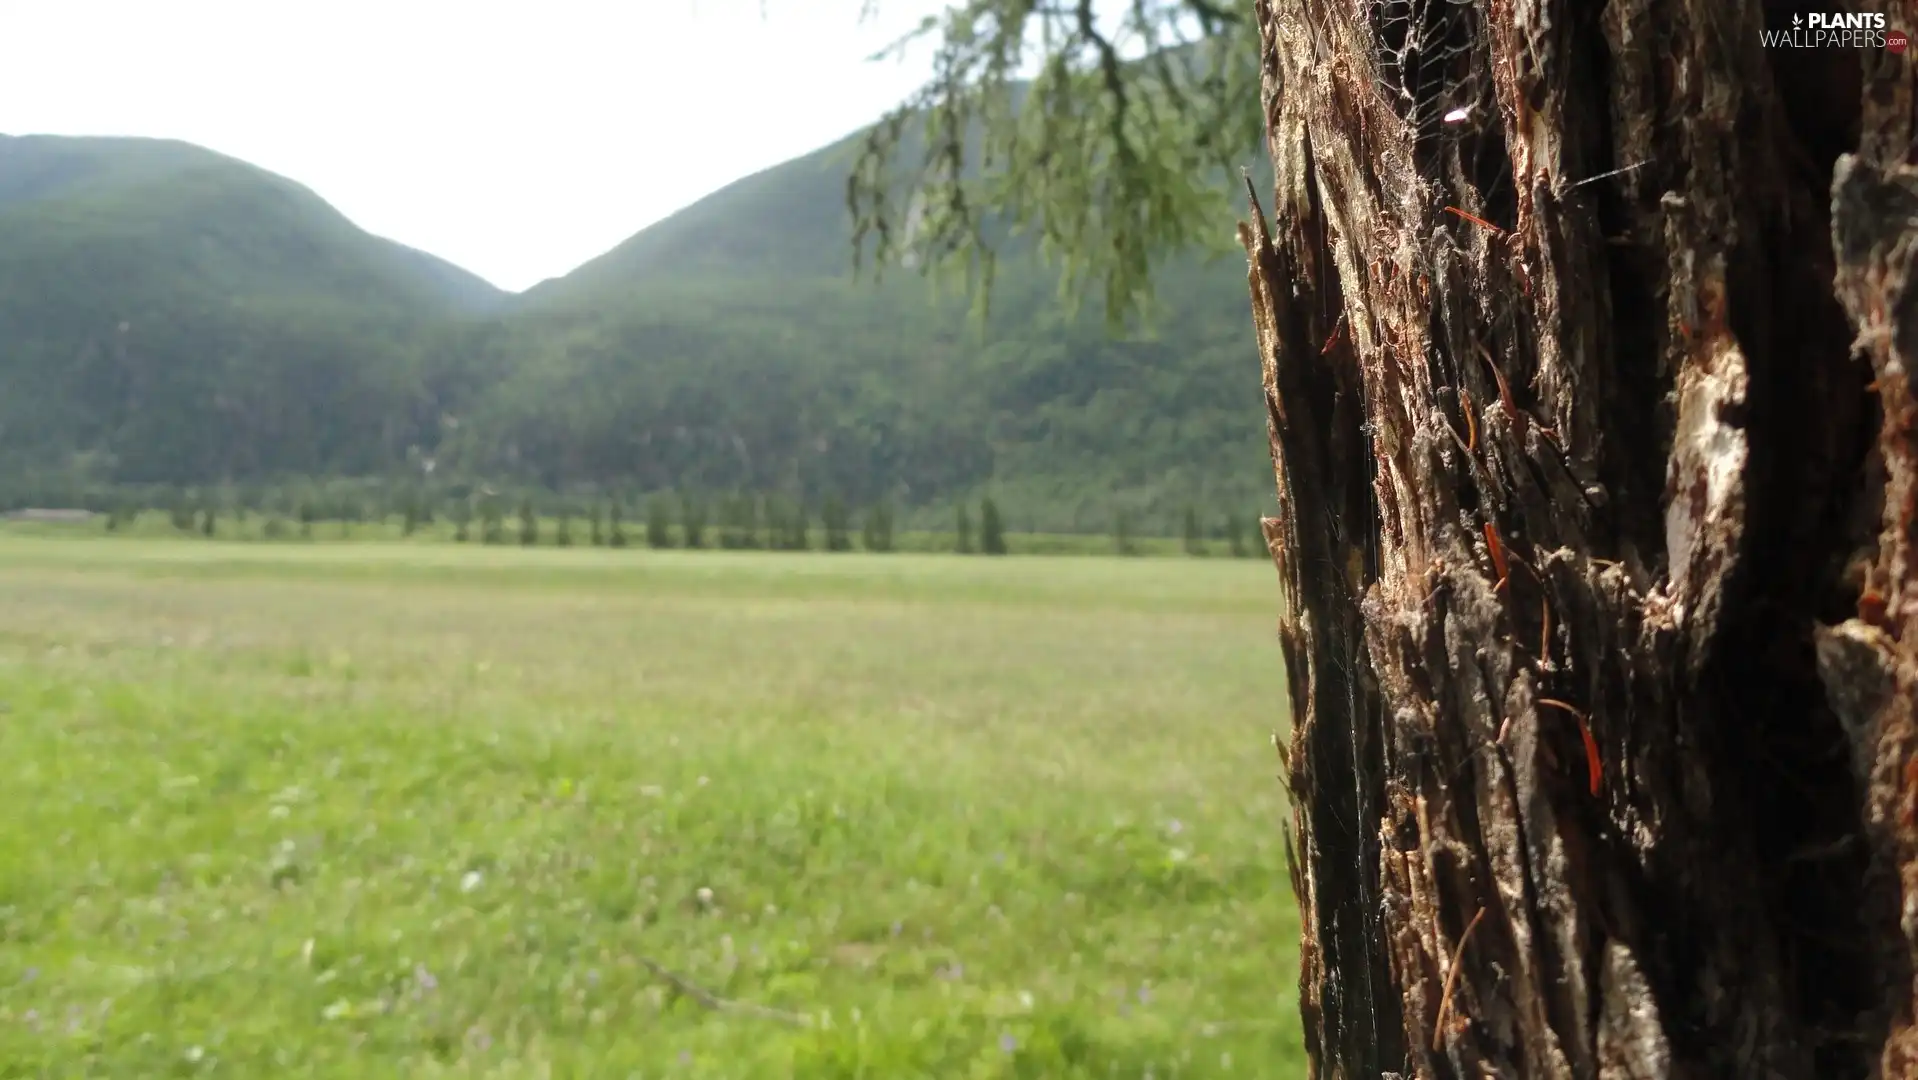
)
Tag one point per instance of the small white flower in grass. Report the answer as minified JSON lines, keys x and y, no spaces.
{"x":471,"y":881}
{"x":703,"y":781}
{"x":1025,"y":999}
{"x":1175,"y":826}
{"x":194,"y":1054}
{"x":705,"y":896}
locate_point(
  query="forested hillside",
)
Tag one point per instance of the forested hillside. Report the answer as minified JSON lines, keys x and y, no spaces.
{"x":170,"y":316}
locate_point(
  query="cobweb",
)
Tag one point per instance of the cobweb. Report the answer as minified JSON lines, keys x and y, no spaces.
{"x":1433,"y":68}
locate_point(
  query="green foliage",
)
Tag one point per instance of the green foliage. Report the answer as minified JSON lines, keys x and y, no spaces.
{"x":787,"y":525}
{"x":492,"y":519}
{"x":778,"y":527}
{"x":692,"y":519}
{"x":962,"y":530}
{"x":174,"y":315}
{"x":528,"y":524}
{"x":1235,"y":536}
{"x":592,"y":519}
{"x":462,"y":519}
{"x":992,"y":531}
{"x":659,"y":522}
{"x":798,"y":527}
{"x":877,"y":533}
{"x":837,"y":524}
{"x":1112,"y":155}
{"x":208,"y":522}
{"x":1122,"y":538}
{"x":410,"y":524}
{"x":615,"y":526}
{"x":1194,"y":536}
{"x":334,"y":501}
{"x":739,"y":528}
{"x":563,"y":536}
{"x":878,"y":390}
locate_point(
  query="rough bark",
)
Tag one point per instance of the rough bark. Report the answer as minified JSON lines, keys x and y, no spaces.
{"x":1593,"y":418}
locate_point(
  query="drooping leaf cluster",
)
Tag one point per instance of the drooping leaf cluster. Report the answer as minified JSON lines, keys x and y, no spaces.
{"x":1107,"y":131}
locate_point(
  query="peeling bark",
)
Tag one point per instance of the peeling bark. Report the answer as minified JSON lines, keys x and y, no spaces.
{"x":1593,"y":420}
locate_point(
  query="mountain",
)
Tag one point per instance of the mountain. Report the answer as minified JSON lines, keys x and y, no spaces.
{"x":170,"y":315}
{"x":137,"y":194}
{"x":183,"y":316}
{"x":784,"y":221}
{"x":729,"y":346}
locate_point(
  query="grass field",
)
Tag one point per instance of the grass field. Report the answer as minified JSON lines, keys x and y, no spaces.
{"x":386,"y":810}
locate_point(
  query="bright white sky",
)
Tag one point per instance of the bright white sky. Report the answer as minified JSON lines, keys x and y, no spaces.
{"x":515,"y":139}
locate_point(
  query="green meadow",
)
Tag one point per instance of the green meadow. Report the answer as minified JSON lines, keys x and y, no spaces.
{"x":382,"y":809}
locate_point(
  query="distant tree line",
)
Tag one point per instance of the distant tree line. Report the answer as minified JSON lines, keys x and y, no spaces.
{"x":479,"y":513}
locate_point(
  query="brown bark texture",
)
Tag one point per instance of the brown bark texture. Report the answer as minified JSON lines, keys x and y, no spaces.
{"x":1590,"y":347}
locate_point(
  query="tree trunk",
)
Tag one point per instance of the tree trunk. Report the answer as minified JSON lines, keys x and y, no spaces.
{"x":1590,"y":349}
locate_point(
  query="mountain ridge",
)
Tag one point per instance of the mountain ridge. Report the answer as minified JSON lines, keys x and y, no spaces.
{"x":187,"y":318}
{"x":64,"y":169}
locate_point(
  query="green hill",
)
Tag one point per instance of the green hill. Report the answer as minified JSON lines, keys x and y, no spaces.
{"x":171,"y":315}
{"x":168,"y":314}
{"x":729,"y":346}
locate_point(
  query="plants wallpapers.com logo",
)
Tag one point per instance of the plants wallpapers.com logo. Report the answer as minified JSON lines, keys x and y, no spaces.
{"x":1837,"y":30}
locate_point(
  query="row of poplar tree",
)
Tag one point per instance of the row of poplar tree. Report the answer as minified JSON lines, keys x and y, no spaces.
{"x":739,"y":521}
